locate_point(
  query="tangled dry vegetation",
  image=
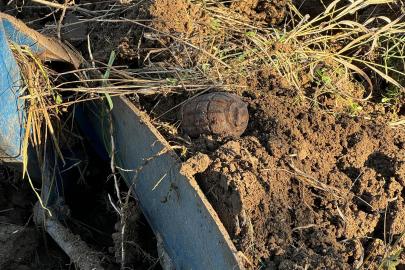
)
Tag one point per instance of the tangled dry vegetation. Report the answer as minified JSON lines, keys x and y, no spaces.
{"x":332,"y":60}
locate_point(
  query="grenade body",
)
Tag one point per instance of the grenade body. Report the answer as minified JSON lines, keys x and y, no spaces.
{"x":217,"y":113}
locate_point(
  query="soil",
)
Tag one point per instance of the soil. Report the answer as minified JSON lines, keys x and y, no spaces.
{"x":266,"y":184}
{"x":304,"y":187}
{"x":273,"y":12}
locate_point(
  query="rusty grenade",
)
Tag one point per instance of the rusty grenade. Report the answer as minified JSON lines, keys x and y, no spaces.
{"x":217,"y":113}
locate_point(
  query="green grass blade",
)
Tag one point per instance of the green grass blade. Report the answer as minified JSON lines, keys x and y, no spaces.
{"x":106,"y":76}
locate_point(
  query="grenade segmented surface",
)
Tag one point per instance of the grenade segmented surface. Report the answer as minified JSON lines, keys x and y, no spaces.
{"x":218,"y":113}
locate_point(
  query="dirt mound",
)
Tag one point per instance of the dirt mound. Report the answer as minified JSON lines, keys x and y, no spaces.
{"x":303,"y":188}
{"x":279,"y":189}
{"x":133,"y":40}
{"x":273,"y":12}
{"x":178,"y":16}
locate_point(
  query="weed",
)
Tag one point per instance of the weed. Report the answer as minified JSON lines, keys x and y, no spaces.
{"x":389,"y":260}
{"x":215,"y":24}
{"x":324,"y":78}
{"x":392,"y":261}
{"x":392,"y":96}
{"x":172,"y":81}
{"x":340,"y":56}
{"x":353,"y":108}
{"x":106,"y":76}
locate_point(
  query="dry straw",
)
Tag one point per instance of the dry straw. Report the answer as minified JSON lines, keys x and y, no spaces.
{"x":332,"y":49}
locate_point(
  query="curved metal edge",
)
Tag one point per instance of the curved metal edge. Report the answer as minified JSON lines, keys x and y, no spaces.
{"x":49,"y":49}
{"x":177,"y":209}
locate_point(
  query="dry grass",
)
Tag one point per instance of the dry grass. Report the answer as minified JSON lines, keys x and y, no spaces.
{"x":342,"y":59}
{"x":329,"y":49}
{"x":38,"y":120}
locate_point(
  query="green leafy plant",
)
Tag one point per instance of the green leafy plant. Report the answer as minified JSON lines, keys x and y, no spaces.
{"x":392,"y":261}
{"x":392,"y":95}
{"x":327,"y":80}
{"x":353,"y":108}
{"x":172,"y":81}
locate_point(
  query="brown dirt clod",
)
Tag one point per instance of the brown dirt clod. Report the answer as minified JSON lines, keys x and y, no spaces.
{"x":196,"y":164}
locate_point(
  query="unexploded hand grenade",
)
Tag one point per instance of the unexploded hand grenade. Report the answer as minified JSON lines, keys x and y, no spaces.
{"x":218,"y":113}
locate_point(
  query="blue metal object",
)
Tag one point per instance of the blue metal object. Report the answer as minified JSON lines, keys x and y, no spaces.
{"x":20,"y":38}
{"x":176,"y":209}
{"x":11,"y":113}
{"x":87,"y":115}
{"x":45,"y":48}
{"x":12,"y":116}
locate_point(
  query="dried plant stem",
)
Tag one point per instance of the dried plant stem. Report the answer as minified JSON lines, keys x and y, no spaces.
{"x":61,"y":18}
{"x":57,"y":5}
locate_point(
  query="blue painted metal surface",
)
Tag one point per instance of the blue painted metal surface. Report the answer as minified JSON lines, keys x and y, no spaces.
{"x":11,"y":116}
{"x":87,"y":115}
{"x":21,"y":38}
{"x":176,"y":209}
{"x":48,"y":49}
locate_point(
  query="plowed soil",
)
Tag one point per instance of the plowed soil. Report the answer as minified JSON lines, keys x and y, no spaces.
{"x":278,"y":189}
{"x":302,"y":188}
